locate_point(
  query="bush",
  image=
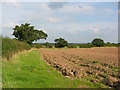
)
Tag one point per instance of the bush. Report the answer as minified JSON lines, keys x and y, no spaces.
{"x":112,"y":44}
{"x":86,"y":45}
{"x":37,"y":45}
{"x":11,"y":46}
{"x":72,"y":46}
{"x":48,"y":45}
{"x":98,"y":42}
{"x":81,"y":45}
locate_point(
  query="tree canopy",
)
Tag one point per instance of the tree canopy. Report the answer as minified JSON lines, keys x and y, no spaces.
{"x":98,"y":42}
{"x":60,"y":43}
{"x":28,"y":33}
{"x":48,"y":45}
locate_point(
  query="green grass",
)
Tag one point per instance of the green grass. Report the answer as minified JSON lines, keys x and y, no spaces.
{"x":28,"y":71}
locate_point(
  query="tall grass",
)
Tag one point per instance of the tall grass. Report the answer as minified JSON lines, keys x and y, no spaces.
{"x":11,"y":46}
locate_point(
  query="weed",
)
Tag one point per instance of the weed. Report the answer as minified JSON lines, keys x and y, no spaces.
{"x":94,"y":61}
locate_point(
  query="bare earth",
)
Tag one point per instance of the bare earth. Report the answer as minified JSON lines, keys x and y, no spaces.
{"x":79,"y":62}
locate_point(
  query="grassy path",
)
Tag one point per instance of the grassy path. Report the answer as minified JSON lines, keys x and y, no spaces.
{"x":28,"y":71}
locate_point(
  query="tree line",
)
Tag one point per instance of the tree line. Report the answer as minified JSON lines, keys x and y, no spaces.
{"x":29,"y":34}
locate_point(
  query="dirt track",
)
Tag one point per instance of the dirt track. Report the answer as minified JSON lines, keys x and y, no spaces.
{"x":79,"y":62}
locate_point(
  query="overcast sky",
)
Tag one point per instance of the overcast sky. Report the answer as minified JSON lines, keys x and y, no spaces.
{"x":76,"y":22}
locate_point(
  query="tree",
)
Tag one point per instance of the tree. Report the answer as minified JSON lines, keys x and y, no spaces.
{"x":27,"y":33}
{"x":73,"y":46}
{"x":60,"y":43}
{"x":98,"y":42}
{"x":48,"y":45}
{"x":108,"y":43}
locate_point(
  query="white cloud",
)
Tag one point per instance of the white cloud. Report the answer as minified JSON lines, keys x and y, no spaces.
{"x":77,"y":9}
{"x":87,"y":9}
{"x":9,"y":25}
{"x":42,"y":16}
{"x":97,"y":28}
{"x":13,"y":2}
{"x":71,"y":31}
{"x":48,"y":14}
{"x":108,"y":10}
{"x":44,"y":7}
{"x":84,"y":9}
{"x":16,"y":4}
{"x":54,"y":20}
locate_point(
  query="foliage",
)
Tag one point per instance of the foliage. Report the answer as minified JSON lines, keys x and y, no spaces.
{"x":37,"y":45}
{"x":89,"y":45}
{"x":27,"y":33}
{"x":0,"y":45}
{"x":10,"y":47}
{"x":108,"y":44}
{"x":60,"y":43}
{"x":48,"y":45}
{"x":86,"y":45}
{"x":72,"y":46}
{"x":98,"y":42}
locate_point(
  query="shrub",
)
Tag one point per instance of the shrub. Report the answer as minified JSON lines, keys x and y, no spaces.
{"x":72,"y":46}
{"x":37,"y":45}
{"x":11,"y":46}
{"x":48,"y":45}
{"x":86,"y":45}
{"x":112,"y":44}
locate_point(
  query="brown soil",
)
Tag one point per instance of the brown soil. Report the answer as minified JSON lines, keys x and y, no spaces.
{"x":78,"y":63}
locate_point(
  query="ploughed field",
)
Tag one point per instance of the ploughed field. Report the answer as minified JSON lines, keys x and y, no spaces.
{"x":98,"y":65}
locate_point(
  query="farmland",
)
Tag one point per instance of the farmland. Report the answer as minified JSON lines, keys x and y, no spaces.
{"x":27,"y":70}
{"x":62,"y":68}
{"x":59,"y":44}
{"x":97,"y":65}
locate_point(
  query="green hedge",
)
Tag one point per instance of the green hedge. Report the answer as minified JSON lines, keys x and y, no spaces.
{"x":86,"y":45}
{"x":11,"y":46}
{"x":37,"y":45}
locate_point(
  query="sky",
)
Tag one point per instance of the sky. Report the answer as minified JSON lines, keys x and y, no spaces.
{"x":76,"y":22}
